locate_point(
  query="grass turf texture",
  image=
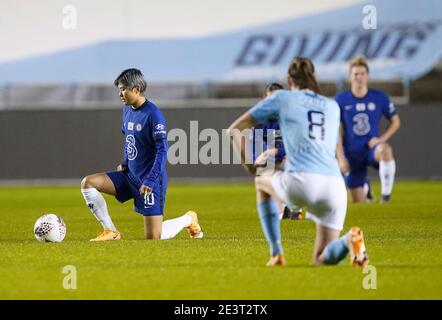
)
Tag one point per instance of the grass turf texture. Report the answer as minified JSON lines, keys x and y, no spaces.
{"x":403,"y":238}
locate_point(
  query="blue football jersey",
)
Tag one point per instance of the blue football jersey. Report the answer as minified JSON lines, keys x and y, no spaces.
{"x":267,"y":135}
{"x":309,"y":125}
{"x":145,"y":151}
{"x":360,"y":117}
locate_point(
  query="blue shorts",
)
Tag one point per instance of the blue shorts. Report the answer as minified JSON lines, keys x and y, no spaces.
{"x":127,"y":189}
{"x":359,"y":161}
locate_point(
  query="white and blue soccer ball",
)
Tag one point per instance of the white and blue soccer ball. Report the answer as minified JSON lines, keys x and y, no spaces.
{"x":50,"y":228}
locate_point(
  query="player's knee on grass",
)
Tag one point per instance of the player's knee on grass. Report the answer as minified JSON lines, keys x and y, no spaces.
{"x":317,"y":261}
{"x":357,"y":195}
{"x":153,"y":227}
{"x":150,"y":235}
{"x":318,"y":258}
{"x":358,"y":200}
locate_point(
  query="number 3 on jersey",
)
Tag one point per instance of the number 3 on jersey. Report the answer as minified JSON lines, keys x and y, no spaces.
{"x":131,"y":150}
{"x":316,"y":128}
{"x":362,"y":124}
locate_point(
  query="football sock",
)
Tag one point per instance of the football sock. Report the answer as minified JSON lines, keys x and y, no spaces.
{"x":336,"y":250}
{"x":172,"y":227}
{"x":387,"y":170}
{"x":268,"y":214}
{"x":98,"y":207}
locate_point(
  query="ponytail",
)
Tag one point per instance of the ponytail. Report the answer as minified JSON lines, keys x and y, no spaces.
{"x":302,"y":73}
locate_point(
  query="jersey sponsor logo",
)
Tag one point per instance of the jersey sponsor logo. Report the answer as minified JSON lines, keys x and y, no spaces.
{"x":360,"y":107}
{"x":131,"y":149}
{"x":159,"y":130}
{"x":130,"y":125}
{"x":371,"y":106}
{"x":362,"y":124}
{"x":348,"y":107}
{"x":157,"y":133}
{"x":139,"y":127}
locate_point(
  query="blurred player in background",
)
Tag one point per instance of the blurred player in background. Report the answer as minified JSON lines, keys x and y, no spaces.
{"x":142,"y":175}
{"x":269,"y":154}
{"x":311,"y":177}
{"x":361,"y":112}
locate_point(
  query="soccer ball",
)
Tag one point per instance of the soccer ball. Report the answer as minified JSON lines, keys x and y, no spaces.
{"x":50,"y":228}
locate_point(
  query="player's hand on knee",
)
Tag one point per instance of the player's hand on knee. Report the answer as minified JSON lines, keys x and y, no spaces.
{"x":374,"y":141}
{"x":344,"y":166}
{"x":261,"y":161}
{"x":121,"y":167}
{"x":145,"y":190}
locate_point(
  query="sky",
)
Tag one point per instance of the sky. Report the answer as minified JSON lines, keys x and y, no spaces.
{"x":30,"y":27}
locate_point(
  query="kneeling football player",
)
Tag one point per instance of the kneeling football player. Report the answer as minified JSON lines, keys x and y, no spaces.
{"x":142,"y":175}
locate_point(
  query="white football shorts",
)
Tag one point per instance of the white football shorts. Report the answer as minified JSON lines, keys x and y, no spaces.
{"x":324,"y":196}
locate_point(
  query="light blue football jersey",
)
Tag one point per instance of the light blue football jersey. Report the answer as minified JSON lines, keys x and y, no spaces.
{"x":309,"y":125}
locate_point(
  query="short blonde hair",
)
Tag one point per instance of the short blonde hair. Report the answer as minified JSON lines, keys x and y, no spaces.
{"x":359,"y":61}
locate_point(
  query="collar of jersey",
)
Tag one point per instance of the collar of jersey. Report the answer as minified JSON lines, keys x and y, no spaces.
{"x":140,"y":107}
{"x":360,"y":98}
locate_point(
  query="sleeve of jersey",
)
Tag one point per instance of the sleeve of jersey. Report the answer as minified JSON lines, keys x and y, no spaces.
{"x":160,"y":137}
{"x":267,"y":108}
{"x":388,"y":108}
{"x":280,"y":153}
{"x":338,"y":101}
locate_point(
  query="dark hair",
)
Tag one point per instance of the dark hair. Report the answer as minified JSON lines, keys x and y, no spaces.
{"x":359,"y":61}
{"x":273,"y":87}
{"x":131,"y":78}
{"x":302,"y":73}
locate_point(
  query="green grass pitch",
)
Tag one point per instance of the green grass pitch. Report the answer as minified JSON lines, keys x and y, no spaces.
{"x":404,"y":241}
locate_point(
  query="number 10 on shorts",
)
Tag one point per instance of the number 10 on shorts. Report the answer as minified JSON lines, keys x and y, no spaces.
{"x":149,"y":199}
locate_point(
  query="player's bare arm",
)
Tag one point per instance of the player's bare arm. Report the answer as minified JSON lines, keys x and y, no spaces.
{"x":263,"y":157}
{"x":238,"y":140}
{"x":395,"y":123}
{"x":342,"y":160}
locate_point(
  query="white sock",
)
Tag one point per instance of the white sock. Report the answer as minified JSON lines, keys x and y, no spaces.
{"x":387,"y":170}
{"x":172,"y":227}
{"x":98,"y":207}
